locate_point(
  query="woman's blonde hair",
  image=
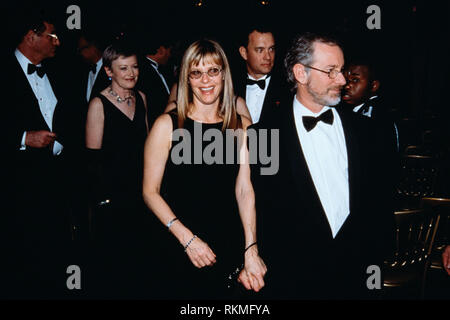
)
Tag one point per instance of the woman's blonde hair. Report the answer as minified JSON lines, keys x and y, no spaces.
{"x":206,"y":51}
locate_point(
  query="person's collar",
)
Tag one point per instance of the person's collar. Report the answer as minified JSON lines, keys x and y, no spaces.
{"x":23,"y":60}
{"x":355,"y":109}
{"x":153,"y":62}
{"x":99,"y":63}
{"x":264,"y":77}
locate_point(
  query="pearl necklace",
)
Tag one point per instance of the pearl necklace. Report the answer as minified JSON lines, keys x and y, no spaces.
{"x":119,"y":99}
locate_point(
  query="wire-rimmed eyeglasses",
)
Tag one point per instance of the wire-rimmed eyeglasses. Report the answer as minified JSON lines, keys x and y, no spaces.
{"x":197,"y":74}
{"x":332,"y":74}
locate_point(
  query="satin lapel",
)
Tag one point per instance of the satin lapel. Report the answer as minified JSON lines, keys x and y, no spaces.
{"x":353,"y":158}
{"x":297,"y":162}
{"x":241,"y":86}
{"x":57,"y":91}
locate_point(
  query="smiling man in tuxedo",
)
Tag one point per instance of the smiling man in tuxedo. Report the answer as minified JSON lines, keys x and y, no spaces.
{"x":326,"y":216}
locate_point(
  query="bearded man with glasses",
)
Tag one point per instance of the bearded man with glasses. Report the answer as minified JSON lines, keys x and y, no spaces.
{"x":326,"y":216}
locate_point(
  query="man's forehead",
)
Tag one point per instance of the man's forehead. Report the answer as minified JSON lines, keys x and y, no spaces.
{"x":257,"y":38}
{"x":328,"y":54}
{"x":358,"y":70}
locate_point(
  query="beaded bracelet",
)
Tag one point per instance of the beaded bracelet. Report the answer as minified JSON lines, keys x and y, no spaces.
{"x":189,"y":242}
{"x":171,"y":222}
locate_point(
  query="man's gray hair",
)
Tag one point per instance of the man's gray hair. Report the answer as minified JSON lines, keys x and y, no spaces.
{"x":302,"y":51}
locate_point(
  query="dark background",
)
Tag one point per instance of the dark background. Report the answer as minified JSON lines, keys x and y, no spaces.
{"x":410,"y":48}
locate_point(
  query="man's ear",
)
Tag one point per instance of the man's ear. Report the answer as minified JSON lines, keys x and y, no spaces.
{"x":243,"y":52}
{"x":161,"y":51}
{"x":375,"y":86}
{"x":300,"y":73}
{"x":30,"y":36}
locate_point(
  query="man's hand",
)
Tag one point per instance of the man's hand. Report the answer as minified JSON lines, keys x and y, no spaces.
{"x":39,"y":139}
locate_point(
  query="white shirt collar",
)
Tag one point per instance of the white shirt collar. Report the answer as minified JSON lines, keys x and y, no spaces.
{"x":99,"y":64}
{"x":304,"y":111}
{"x":264,"y":77}
{"x":23,"y":61}
{"x":156,"y":63}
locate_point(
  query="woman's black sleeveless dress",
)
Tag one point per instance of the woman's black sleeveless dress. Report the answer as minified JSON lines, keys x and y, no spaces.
{"x":203,"y":197}
{"x":120,"y":226}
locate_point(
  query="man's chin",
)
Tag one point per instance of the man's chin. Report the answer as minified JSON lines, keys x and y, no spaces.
{"x":334,"y":101}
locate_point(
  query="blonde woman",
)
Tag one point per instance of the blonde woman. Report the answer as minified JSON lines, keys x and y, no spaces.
{"x":208,"y":206}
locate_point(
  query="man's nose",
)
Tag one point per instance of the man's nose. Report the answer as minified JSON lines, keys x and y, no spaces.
{"x":341,"y":79}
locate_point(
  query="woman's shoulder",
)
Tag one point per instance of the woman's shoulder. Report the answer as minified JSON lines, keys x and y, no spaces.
{"x":163,"y":123}
{"x":141,"y":94}
{"x":96,"y":102}
{"x":171,"y":106}
{"x":245,"y":121}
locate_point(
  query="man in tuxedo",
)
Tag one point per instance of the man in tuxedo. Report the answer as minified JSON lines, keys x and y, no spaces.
{"x":90,"y":48}
{"x":154,"y":81}
{"x":41,"y":140}
{"x":261,"y":85}
{"x":326,"y":215}
{"x":361,"y":93}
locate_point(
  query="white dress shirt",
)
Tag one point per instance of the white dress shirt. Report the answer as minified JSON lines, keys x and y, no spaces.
{"x":254,"y":97}
{"x":325,"y":153}
{"x":43,"y":92}
{"x":91,"y":78}
{"x":155,"y":66}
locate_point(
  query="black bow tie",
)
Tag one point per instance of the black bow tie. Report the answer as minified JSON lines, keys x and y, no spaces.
{"x":93,"y":68}
{"x":260,"y":83}
{"x":310,"y":122}
{"x":39,"y":70}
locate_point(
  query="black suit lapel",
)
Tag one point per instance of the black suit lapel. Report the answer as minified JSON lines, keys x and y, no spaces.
{"x":240,"y":84}
{"x":269,"y":104}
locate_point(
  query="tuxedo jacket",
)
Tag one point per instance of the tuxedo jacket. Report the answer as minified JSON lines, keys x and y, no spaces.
{"x":23,"y":114}
{"x":275,"y":93}
{"x":36,"y":178}
{"x":151,"y":85}
{"x":383,"y":118}
{"x":295,"y":240}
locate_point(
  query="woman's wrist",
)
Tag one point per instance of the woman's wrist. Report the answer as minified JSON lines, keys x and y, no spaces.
{"x":180,"y":232}
{"x":251,"y":249}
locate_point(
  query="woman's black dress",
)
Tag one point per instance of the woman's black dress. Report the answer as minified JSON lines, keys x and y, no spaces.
{"x":120,"y":226}
{"x":203,"y":197}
